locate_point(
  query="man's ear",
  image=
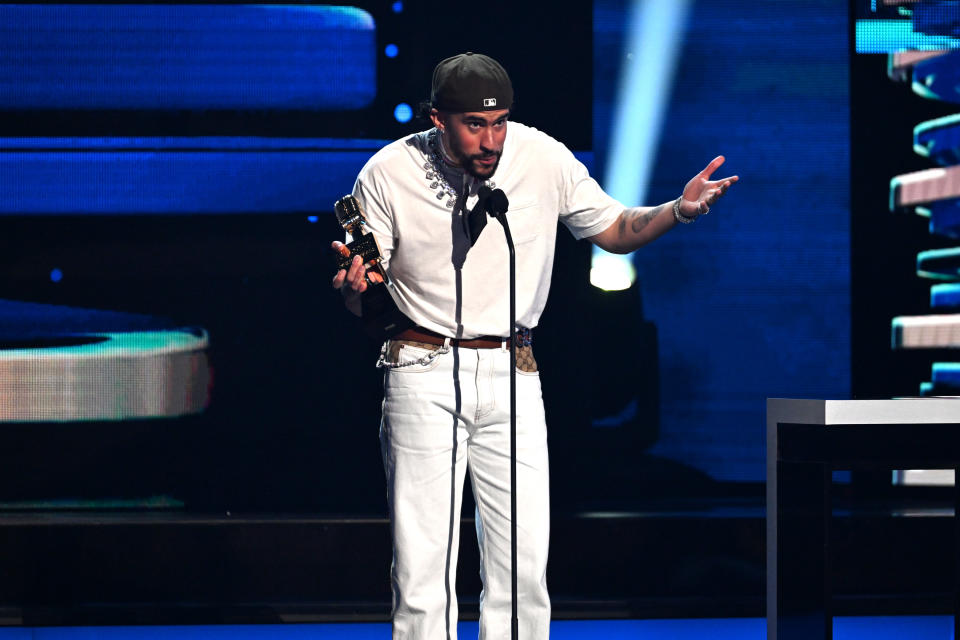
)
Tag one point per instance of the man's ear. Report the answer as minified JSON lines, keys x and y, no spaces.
{"x":437,"y":119}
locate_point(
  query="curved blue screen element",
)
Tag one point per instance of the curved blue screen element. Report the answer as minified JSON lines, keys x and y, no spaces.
{"x":156,"y":56}
{"x":128,"y":176}
{"x":938,"y":78}
{"x":944,"y":217}
{"x":946,"y":373}
{"x":939,"y":139}
{"x":945,"y":295}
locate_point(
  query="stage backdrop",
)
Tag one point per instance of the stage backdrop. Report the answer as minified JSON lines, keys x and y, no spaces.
{"x":753,"y":301}
{"x":179,"y":163}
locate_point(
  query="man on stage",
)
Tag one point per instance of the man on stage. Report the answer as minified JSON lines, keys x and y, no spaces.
{"x":446,"y":405}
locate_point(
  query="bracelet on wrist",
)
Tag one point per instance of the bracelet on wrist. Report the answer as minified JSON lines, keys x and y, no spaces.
{"x":679,"y":217}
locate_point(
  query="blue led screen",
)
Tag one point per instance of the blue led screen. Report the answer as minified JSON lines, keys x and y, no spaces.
{"x":158,"y":56}
{"x":161,"y":176}
{"x":752,"y":301}
{"x":923,"y":26}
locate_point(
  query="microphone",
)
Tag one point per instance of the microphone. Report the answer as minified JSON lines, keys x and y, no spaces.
{"x":497,"y":203}
{"x":490,"y":202}
{"x":477,"y":218}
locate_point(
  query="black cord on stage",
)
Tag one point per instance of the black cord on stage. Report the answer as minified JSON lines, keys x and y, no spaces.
{"x":514,"y":619}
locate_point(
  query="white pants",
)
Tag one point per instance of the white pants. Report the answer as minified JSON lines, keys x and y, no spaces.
{"x":439,"y":420}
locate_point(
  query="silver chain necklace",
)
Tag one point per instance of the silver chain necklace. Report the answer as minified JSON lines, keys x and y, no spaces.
{"x":434,"y":168}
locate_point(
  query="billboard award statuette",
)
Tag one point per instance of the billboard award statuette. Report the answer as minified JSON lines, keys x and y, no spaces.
{"x":380,"y":316}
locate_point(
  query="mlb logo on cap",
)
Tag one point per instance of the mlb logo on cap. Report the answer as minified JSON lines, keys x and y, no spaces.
{"x":489,"y":102}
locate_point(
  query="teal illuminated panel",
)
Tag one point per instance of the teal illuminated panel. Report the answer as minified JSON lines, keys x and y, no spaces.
{"x":939,"y":264}
{"x":887,"y":36}
{"x":939,"y":139}
{"x":946,"y":374}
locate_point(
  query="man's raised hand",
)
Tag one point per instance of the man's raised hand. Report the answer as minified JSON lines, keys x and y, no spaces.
{"x":701,"y":192}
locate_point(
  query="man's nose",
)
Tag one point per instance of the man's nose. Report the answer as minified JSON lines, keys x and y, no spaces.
{"x":486,"y":140}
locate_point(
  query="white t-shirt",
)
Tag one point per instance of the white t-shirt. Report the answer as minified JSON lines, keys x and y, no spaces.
{"x":440,"y":282}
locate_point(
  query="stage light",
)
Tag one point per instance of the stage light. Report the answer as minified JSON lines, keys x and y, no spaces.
{"x":56,"y":275}
{"x":391,"y":50}
{"x":403,"y":112}
{"x":652,"y":45}
{"x":397,"y":7}
{"x":312,"y":219}
{"x":612,"y":272}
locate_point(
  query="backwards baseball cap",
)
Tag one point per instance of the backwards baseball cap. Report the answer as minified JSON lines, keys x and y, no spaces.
{"x":470,"y":82}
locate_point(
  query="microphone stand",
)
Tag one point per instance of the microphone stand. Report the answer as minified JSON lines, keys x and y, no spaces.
{"x":501,"y":217}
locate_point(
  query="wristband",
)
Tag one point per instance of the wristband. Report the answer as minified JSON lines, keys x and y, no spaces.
{"x":679,"y":217}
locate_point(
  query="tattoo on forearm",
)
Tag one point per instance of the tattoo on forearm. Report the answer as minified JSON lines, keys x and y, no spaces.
{"x":638,"y":220}
{"x":644,"y":219}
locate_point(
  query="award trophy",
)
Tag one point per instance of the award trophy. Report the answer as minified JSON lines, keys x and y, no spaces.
{"x":379,"y":313}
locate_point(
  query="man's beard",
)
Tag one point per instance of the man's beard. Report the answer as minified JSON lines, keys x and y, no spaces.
{"x":468,"y":162}
{"x":479,"y":171}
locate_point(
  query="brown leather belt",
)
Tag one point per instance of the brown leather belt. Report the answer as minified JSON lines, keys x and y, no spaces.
{"x":419,"y":334}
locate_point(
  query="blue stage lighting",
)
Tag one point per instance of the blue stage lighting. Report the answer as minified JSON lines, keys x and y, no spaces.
{"x":56,"y":275}
{"x":403,"y":112}
{"x":312,"y":219}
{"x":397,"y":6}
{"x":653,"y":40}
{"x":852,"y":628}
{"x":391,"y":50}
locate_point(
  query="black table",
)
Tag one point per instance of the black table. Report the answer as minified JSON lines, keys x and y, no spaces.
{"x":806,"y":441}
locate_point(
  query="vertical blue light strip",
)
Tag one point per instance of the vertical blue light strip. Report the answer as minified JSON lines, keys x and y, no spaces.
{"x":646,"y":79}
